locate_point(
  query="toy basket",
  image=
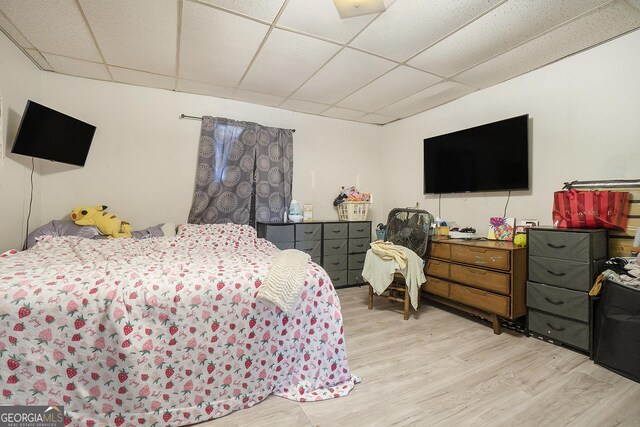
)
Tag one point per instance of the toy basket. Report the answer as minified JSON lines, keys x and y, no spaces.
{"x":353,"y":211}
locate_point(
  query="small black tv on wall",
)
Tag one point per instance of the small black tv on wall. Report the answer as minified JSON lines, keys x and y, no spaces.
{"x":491,"y":157}
{"x":48,"y":134}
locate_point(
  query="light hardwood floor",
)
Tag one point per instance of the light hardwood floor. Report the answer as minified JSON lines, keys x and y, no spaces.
{"x":444,"y":368}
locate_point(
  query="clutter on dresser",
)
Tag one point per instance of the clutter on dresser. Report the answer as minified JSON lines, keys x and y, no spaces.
{"x":295,"y":211}
{"x":352,"y":204}
{"x":501,"y":229}
{"x":590,"y":209}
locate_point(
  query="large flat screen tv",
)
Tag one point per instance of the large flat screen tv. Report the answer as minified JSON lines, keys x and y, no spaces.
{"x":491,"y":157}
{"x":49,"y":134}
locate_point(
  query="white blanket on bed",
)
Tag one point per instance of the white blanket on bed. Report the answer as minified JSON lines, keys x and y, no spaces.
{"x":285,"y":279}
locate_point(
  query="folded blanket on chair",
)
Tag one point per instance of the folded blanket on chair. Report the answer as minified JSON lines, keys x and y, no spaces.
{"x":387,"y":250}
{"x":285,"y":279}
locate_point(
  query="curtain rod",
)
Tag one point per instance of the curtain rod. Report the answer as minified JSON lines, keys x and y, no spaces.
{"x":184,"y":116}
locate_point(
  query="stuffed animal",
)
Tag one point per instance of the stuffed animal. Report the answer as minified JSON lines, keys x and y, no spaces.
{"x":107,"y":224}
{"x":520,"y":240}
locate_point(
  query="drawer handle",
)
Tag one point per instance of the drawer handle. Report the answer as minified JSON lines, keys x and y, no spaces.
{"x":556,"y":274}
{"x":474,"y":271}
{"x":335,"y":231}
{"x":359,"y":230}
{"x":308,"y":232}
{"x":551,"y":245}
{"x":335,"y":263}
{"x":560,"y":329}
{"x":475,"y":291}
{"x":359,"y":246}
{"x":360,"y":262}
{"x":477,"y":250}
{"x":335,"y":247}
{"x":549,"y":300}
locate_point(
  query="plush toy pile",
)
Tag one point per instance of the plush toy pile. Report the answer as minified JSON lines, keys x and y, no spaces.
{"x":108,"y":224}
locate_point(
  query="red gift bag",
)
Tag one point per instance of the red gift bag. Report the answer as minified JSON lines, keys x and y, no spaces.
{"x":590,"y":209}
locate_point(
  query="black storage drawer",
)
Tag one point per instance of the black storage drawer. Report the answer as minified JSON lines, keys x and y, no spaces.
{"x":583,"y":245}
{"x":355,"y":277}
{"x":568,"y":331}
{"x":279,"y":233}
{"x":560,"y":301}
{"x":359,"y":245}
{"x":359,"y":229}
{"x":335,"y":247}
{"x":356,"y":261}
{"x":308,"y":232}
{"x":560,"y":272}
{"x":338,"y":278}
{"x":313,"y":248}
{"x":336,"y":231}
{"x":335,"y":262}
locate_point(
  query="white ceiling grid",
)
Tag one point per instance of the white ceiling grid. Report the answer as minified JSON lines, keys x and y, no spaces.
{"x":299,"y":55}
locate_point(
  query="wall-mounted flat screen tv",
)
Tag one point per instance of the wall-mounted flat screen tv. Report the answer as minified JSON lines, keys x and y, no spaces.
{"x":491,"y":157}
{"x":49,"y":134}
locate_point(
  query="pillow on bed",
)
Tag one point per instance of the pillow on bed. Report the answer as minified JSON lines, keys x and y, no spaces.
{"x":193,"y":231}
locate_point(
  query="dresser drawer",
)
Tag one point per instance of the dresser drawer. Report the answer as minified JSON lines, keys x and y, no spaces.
{"x":359,"y":229}
{"x":338,"y":278}
{"x":359,"y":245}
{"x":481,"y":299}
{"x":356,"y":261}
{"x":335,"y":247}
{"x":438,"y":268}
{"x":316,"y":259}
{"x":439,"y":250}
{"x":436,"y":287}
{"x":485,"y":279}
{"x":335,"y":262}
{"x":336,"y":231}
{"x":483,"y":257}
{"x":575,"y":246}
{"x":313,"y":248}
{"x":568,"y":331}
{"x":354,"y":277}
{"x":284,"y":245}
{"x":560,"y":301}
{"x":567,"y":274}
{"x":279,"y":233}
{"x":306,"y":232}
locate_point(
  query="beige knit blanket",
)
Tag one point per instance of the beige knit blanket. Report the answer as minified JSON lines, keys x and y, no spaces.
{"x":285,"y":280}
{"x":387,"y":250}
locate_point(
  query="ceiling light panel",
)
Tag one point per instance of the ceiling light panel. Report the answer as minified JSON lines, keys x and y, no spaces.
{"x":303,"y":106}
{"x":353,"y":8}
{"x":77,"y":67}
{"x":13,"y":32}
{"x":140,"y":78}
{"x":409,"y":26}
{"x":593,"y":28}
{"x":393,"y":86}
{"x":201,"y":88}
{"x":38,"y":20}
{"x":265,"y":10}
{"x":499,"y":30}
{"x":140,"y":34}
{"x":217,"y":46}
{"x":431,"y":97}
{"x":348,"y":71}
{"x":286,"y":61}
{"x":320,"y":18}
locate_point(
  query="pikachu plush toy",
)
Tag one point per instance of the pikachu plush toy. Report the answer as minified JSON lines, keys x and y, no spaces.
{"x":107,"y":224}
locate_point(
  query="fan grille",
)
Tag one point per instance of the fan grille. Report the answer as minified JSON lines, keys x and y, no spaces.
{"x":409,"y":228}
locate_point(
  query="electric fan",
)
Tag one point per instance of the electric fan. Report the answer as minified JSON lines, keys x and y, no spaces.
{"x":409,"y":228}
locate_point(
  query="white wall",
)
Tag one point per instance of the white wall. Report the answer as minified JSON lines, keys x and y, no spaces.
{"x":19,"y":80}
{"x":585,"y":118}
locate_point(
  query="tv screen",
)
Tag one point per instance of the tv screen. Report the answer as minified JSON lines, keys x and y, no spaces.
{"x":491,"y":157}
{"x":49,"y":134}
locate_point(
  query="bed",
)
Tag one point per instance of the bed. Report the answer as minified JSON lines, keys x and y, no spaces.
{"x":162,"y":331}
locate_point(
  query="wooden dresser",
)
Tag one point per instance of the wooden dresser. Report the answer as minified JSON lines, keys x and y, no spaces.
{"x":481,"y":277}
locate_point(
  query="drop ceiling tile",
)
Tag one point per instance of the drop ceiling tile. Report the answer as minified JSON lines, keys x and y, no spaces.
{"x":320,"y":18}
{"x":12,"y":31}
{"x":433,"y":96}
{"x":200,"y":88}
{"x":257,"y":98}
{"x":408,"y":26}
{"x":217,"y":46}
{"x":591,"y":29}
{"x":348,"y":71}
{"x":39,"y":20}
{"x":77,"y":67}
{"x":265,"y":10}
{"x":286,"y":61}
{"x":303,"y":106}
{"x":499,"y":30}
{"x":140,"y":35}
{"x":343,"y":113}
{"x":393,"y":86}
{"x":377,"y":119}
{"x":141,"y":78}
{"x":39,"y":59}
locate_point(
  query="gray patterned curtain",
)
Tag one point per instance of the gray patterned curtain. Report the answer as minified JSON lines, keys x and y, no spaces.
{"x":243,"y":168}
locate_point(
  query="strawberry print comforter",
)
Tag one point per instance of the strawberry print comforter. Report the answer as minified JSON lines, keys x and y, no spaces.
{"x":164,"y":331}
